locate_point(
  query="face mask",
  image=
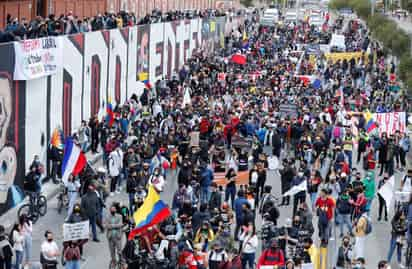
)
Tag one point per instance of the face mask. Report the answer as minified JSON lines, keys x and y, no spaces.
{"x":346,"y":244}
{"x":300,"y":174}
{"x":49,"y":239}
{"x":113,"y":212}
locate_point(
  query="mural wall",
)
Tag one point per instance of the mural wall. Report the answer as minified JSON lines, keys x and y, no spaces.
{"x":96,"y":66}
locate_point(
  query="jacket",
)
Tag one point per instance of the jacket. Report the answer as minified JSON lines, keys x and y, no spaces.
{"x":343,"y":206}
{"x":271,"y":257}
{"x":90,"y":204}
{"x":369,"y":188}
{"x":114,"y":225}
{"x":115,"y":163}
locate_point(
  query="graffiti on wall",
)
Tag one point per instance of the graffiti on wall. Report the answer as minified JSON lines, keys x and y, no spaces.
{"x":96,"y":66}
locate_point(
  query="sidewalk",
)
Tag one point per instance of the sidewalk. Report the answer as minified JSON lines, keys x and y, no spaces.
{"x":49,"y":189}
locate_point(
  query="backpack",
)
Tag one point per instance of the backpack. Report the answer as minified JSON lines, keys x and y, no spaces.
{"x":336,"y":132}
{"x":368,"y":229}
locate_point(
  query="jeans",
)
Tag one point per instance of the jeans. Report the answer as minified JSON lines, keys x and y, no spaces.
{"x":19,"y":259}
{"x":113,"y":183}
{"x":313,"y":196}
{"x":54,"y":170}
{"x":324,"y":232}
{"x":27,"y":246}
{"x":204,"y":194}
{"x":5,"y":264}
{"x":392,"y":246}
{"x":72,"y":264}
{"x":131,"y":202}
{"x":344,"y":219}
{"x":92,"y":221}
{"x":248,"y":258}
{"x":348,"y":154}
{"x":382,"y":207}
{"x":72,"y":201}
{"x":230,"y":192}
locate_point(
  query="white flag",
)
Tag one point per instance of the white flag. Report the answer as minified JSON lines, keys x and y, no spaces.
{"x":296,"y":189}
{"x":387,"y":190}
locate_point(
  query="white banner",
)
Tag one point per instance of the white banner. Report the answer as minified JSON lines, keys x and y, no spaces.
{"x":35,"y":58}
{"x":76,"y":231}
{"x":387,"y":191}
{"x":391,"y":122}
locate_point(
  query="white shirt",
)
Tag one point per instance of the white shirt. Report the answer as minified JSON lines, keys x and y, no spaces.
{"x":18,"y":239}
{"x":249,"y":243}
{"x":47,"y":247}
{"x":115,"y":162}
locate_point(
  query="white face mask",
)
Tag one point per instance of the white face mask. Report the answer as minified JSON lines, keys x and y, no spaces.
{"x":300,"y":174}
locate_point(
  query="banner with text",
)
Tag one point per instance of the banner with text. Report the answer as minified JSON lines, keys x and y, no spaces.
{"x":37,"y":58}
{"x":391,"y":122}
{"x":76,"y":231}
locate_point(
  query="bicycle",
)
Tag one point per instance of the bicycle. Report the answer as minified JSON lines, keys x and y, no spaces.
{"x":35,"y":208}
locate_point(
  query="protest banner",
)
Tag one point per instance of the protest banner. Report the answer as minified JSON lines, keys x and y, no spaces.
{"x":340,"y":56}
{"x":288,"y":109}
{"x":76,"y":231}
{"x":390,"y":122}
{"x":37,"y":58}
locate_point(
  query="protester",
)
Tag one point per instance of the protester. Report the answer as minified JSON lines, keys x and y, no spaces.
{"x":6,"y":250}
{"x":49,"y":252}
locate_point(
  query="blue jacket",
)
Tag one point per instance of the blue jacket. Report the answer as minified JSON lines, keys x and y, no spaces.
{"x":238,"y":205}
{"x":207,"y":177}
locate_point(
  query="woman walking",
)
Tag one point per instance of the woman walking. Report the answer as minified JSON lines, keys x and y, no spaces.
{"x":27,"y":229}
{"x":72,"y":256}
{"x":249,"y":246}
{"x":18,"y":239}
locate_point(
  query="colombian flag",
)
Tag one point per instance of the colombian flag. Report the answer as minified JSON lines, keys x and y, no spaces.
{"x":152,"y":212}
{"x":57,"y":139}
{"x":109,"y":113}
{"x":370,"y":123}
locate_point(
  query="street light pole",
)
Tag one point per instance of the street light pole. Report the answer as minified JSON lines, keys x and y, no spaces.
{"x":373,"y":7}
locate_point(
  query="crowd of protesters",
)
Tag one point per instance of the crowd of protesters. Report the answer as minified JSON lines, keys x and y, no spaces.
{"x":216,"y":117}
{"x":67,"y":24}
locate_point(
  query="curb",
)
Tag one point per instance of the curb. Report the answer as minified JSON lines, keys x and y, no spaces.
{"x":50,"y":190}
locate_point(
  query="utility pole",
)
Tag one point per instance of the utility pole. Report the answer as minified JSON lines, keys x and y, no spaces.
{"x":372,"y":7}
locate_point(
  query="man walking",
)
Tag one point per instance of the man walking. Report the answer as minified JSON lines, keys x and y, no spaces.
{"x":90,"y":205}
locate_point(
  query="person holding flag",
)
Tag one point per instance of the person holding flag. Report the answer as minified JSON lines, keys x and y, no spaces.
{"x":152,"y":212}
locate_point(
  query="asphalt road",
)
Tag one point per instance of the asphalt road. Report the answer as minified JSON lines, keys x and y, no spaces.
{"x":97,"y":254}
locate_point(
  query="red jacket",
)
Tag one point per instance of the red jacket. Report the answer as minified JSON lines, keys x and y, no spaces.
{"x":270,"y":257}
{"x":187,"y":259}
{"x":327,"y":204}
{"x":204,"y":126}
